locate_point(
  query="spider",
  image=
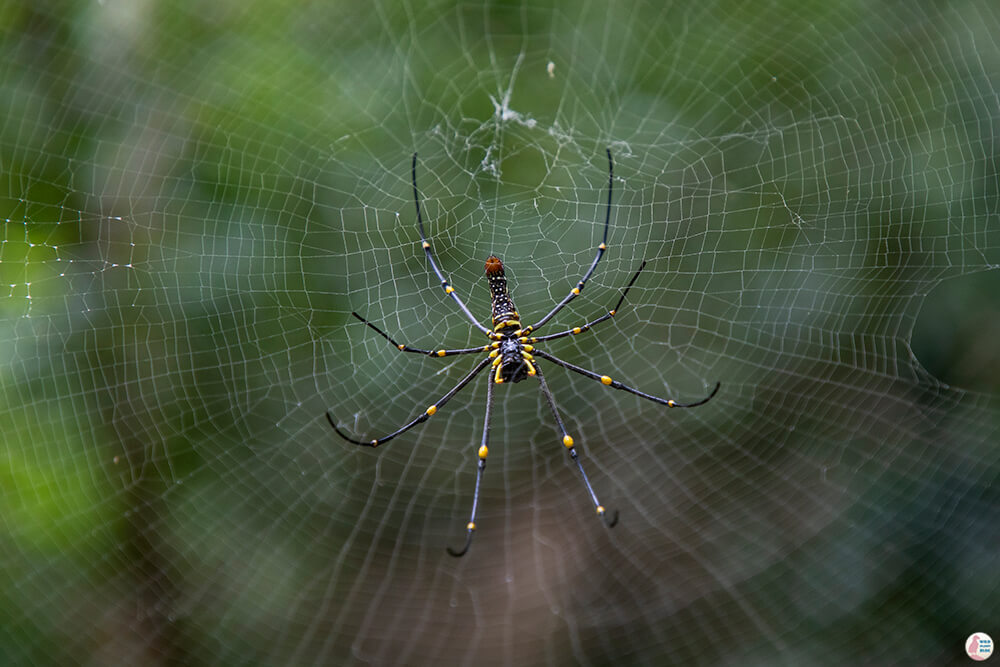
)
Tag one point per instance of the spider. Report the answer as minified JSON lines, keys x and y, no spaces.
{"x":512,"y":357}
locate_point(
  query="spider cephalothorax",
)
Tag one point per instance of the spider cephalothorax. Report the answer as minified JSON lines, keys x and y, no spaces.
{"x":511,"y":352}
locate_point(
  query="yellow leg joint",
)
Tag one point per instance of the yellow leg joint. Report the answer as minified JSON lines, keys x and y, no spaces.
{"x":440,"y":353}
{"x":531,"y":368}
{"x":431,"y":410}
{"x":426,"y":245}
{"x":449,"y":289}
{"x":471,"y":525}
{"x":496,"y":378}
{"x":568,"y":441}
{"x":606,"y":380}
{"x":577,"y":330}
{"x":401,"y":347}
{"x":576,"y":290}
{"x":600,"y":509}
{"x":671,"y":403}
{"x":483,"y":452}
{"x":603,"y":246}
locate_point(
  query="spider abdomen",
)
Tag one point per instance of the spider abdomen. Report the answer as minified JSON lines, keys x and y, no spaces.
{"x":505,"y":315}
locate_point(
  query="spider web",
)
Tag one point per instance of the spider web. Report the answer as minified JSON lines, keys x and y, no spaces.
{"x":197,"y":196}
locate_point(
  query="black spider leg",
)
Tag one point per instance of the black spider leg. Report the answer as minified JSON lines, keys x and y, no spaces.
{"x":483,"y":451}
{"x":615,"y":384}
{"x":448,"y":289}
{"x":430,"y":353}
{"x":419,"y":420}
{"x":607,"y":316}
{"x":568,"y":443}
{"x":573,"y":293}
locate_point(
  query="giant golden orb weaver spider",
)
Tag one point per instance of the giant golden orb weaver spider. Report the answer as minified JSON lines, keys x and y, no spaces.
{"x":511,"y":356}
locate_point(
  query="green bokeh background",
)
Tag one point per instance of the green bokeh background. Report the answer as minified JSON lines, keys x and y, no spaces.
{"x":195,"y":196}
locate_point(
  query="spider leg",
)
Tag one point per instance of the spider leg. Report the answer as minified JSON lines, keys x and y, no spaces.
{"x":448,"y":289}
{"x":568,"y":443}
{"x":419,"y":420}
{"x":573,"y":293}
{"x":615,"y":384}
{"x":607,"y":316}
{"x":430,"y":353}
{"x":483,"y":451}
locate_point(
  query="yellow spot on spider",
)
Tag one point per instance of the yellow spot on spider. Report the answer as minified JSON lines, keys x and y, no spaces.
{"x":528,"y":348}
{"x":577,"y":330}
{"x":426,"y":244}
{"x":401,"y":347}
{"x":471,"y":525}
{"x":606,"y":380}
{"x":493,"y":354}
{"x":449,"y":289}
{"x":603,"y":247}
{"x":611,"y":312}
{"x":431,"y":410}
{"x":671,"y":403}
{"x":568,"y":441}
{"x":483,"y":452}
{"x":600,"y":509}
{"x":576,"y":290}
{"x":441,"y":353}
